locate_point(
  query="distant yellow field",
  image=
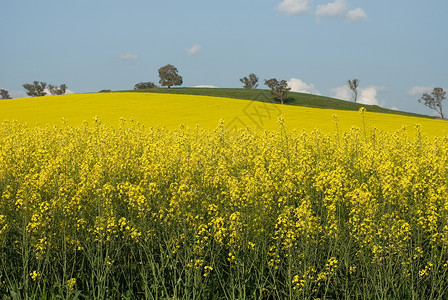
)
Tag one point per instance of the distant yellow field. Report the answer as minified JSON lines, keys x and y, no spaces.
{"x":170,"y":111}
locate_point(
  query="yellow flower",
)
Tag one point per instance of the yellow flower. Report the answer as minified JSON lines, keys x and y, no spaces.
{"x":207,"y":270}
{"x":35,"y":275}
{"x":71,"y":283}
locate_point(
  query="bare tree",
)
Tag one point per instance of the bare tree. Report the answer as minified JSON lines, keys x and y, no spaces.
{"x":4,"y":94}
{"x":434,"y":101}
{"x":250,"y":82}
{"x":36,"y":89}
{"x":279,"y":89}
{"x":353,"y":85}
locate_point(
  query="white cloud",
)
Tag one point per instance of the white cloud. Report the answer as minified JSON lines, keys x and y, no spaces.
{"x":18,"y":94}
{"x":394,"y":108}
{"x":194,"y":50}
{"x":67,"y":92}
{"x":206,"y":86}
{"x":298,"y":85}
{"x":342,"y":92}
{"x":356,"y":15}
{"x":338,"y":9}
{"x":367,"y":95}
{"x":419,"y":90}
{"x":294,"y":7}
{"x":128,"y":57}
{"x":332,"y":9}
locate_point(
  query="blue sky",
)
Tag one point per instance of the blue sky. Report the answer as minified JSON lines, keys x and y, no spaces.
{"x":396,"y":48}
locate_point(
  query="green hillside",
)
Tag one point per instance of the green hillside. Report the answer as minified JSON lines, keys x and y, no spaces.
{"x":296,"y":99}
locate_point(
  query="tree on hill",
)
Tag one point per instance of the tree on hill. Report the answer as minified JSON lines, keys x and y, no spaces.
{"x":35,"y":89}
{"x":353,"y":85}
{"x":4,"y":94}
{"x":279,"y":89}
{"x":434,"y":101}
{"x":169,"y":76}
{"x":55,"y":90}
{"x":250,"y":82}
{"x":145,"y":85}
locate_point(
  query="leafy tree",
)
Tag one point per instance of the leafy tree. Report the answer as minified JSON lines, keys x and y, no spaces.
{"x":353,"y":85}
{"x":279,"y":89}
{"x":55,"y":90}
{"x":169,"y":76}
{"x":36,"y":89}
{"x":434,"y":101}
{"x":250,"y":82}
{"x":4,"y":94}
{"x":145,"y":85}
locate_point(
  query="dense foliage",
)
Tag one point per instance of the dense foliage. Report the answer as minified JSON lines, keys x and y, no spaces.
{"x":4,"y":94}
{"x":145,"y":85}
{"x":36,"y":89}
{"x":169,"y":76}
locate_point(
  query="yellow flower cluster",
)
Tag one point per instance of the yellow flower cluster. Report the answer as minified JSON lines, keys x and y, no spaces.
{"x":304,"y":206}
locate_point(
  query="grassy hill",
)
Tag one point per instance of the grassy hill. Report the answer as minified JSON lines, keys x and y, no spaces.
{"x":296,"y":99}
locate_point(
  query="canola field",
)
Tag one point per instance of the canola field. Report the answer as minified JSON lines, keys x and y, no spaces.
{"x":131,"y":211}
{"x":169,"y":111}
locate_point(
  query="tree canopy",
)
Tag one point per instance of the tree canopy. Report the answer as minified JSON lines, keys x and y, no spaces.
{"x":169,"y":76}
{"x":250,"y":82}
{"x":35,"y":89}
{"x":4,"y":94}
{"x":55,"y":90}
{"x":145,"y":85}
{"x":279,"y":89}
